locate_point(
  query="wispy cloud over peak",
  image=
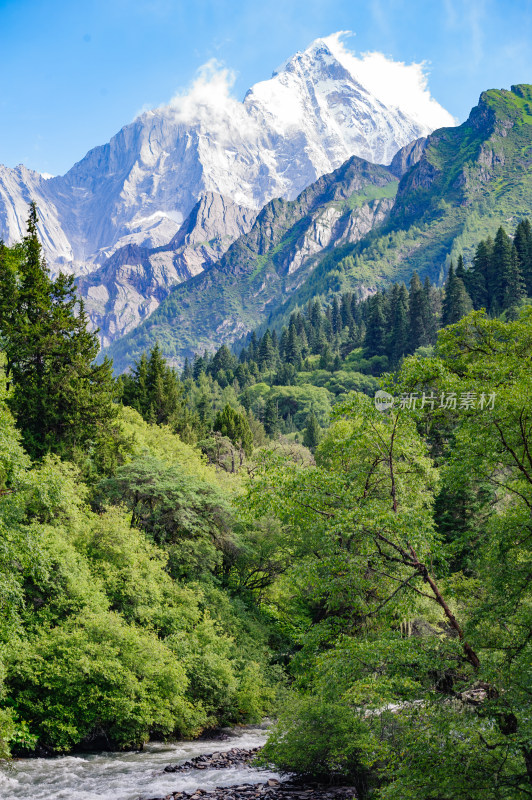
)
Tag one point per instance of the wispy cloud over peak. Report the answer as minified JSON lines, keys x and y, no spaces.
{"x":394,"y":83}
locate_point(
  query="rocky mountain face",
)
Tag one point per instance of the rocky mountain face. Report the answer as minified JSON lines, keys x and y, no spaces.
{"x":466,"y":182}
{"x":138,"y":189}
{"x":261,"y":269}
{"x":457,"y":187}
{"x":131,"y":284}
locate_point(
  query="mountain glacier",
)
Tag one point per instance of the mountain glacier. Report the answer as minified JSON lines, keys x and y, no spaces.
{"x":312,"y":115}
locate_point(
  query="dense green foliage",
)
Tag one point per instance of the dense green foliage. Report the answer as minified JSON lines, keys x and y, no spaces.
{"x":414,"y":671}
{"x":154,"y":579}
{"x":282,"y":380}
{"x":114,"y":618}
{"x":61,"y":399}
{"x":126,"y":605}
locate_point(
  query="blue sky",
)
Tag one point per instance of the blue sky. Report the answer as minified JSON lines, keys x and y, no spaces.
{"x":74,"y":73}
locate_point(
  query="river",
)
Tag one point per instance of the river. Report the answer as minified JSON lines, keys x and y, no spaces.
{"x":127,"y":776}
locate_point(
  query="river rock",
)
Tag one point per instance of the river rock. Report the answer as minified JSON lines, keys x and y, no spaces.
{"x":221,"y":760}
{"x":272,"y":790}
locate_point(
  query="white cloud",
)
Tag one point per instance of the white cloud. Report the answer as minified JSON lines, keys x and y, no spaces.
{"x":210,"y":104}
{"x":394,"y":83}
{"x":209,"y":101}
{"x":209,"y":93}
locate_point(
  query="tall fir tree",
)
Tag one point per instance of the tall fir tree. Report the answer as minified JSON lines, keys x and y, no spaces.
{"x":267,"y":355}
{"x":271,"y":416}
{"x":345,"y":310}
{"x":336,"y":316}
{"x":418,"y":313}
{"x":523,"y":246}
{"x":398,"y":335}
{"x":61,"y":399}
{"x":456,"y":301}
{"x":514,"y":284}
{"x":187,"y":370}
{"x":479,"y":277}
{"x":292,"y":352}
{"x":375,"y":343}
{"x":502,"y":267}
{"x":460,"y":268}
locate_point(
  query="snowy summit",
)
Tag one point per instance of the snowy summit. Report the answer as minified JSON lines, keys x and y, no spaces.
{"x":321,"y":107}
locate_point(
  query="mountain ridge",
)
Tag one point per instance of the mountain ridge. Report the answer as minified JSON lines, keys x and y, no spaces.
{"x":466,"y":181}
{"x":140,"y":186}
{"x":273,"y":258}
{"x":133,"y":281}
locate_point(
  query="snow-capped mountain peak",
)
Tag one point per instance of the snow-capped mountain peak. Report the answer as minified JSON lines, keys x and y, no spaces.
{"x":312,"y":115}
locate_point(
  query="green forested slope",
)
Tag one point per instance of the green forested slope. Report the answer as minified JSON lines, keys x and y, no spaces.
{"x":410,"y":587}
{"x":262,"y":267}
{"x":469,"y":181}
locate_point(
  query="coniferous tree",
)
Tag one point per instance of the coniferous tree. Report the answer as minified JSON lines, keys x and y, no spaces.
{"x":514,"y":284}
{"x":9,"y":259}
{"x":292,"y":352}
{"x":523,"y":245}
{"x":243,"y":375}
{"x":267,"y":354}
{"x":156,"y":392}
{"x":479,"y":277}
{"x":61,"y":399}
{"x":271,"y":416}
{"x":135,"y":387}
{"x":326,"y":357}
{"x":315,"y":314}
{"x":502,"y":268}
{"x":336,"y":316}
{"x":187,"y":370}
{"x":345,"y":310}
{"x":155,"y":389}
{"x":417,"y":315}
{"x":317,"y":339}
{"x":253,"y":348}
{"x":460,"y":268}
{"x":223,"y":360}
{"x":311,"y":434}
{"x":354,"y":339}
{"x":377,"y":327}
{"x":198,"y":367}
{"x":456,"y":301}
{"x":235,"y":426}
{"x":398,"y":337}
{"x":283,"y":340}
{"x":327,"y":324}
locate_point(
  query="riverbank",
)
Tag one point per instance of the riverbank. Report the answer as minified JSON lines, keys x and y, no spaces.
{"x":271,"y":790}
